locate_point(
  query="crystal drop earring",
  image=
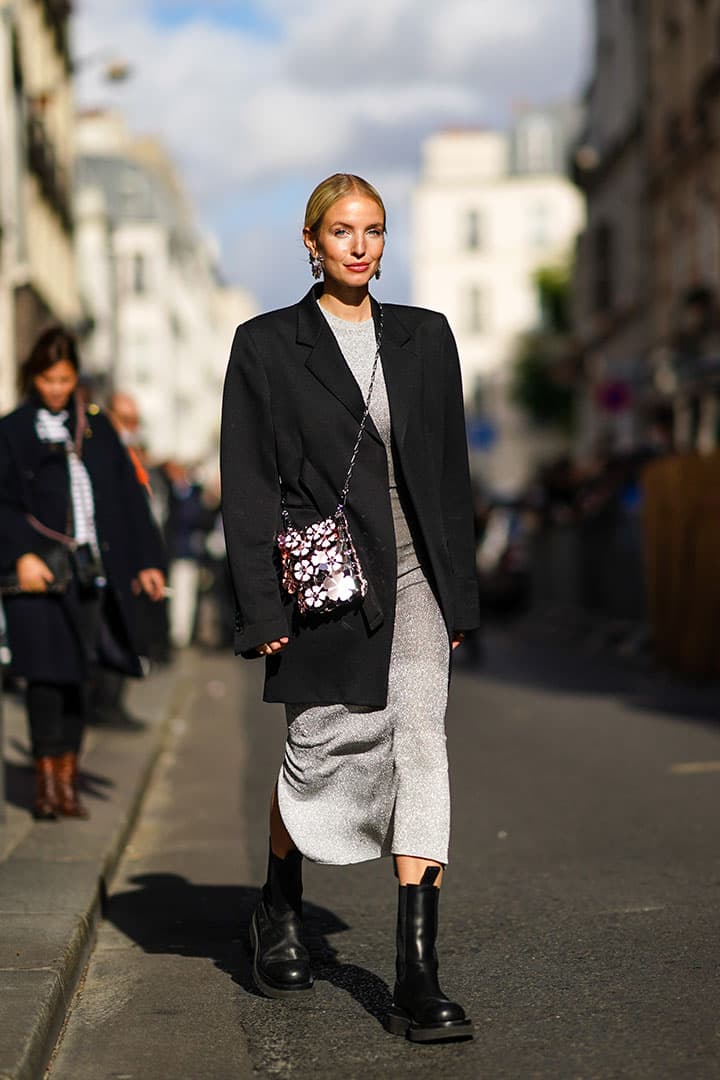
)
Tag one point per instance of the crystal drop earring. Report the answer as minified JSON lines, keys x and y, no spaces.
{"x":378,"y":272}
{"x":316,"y":265}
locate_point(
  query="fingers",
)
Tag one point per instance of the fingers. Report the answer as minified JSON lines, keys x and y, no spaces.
{"x":35,"y":584}
{"x":270,"y":647}
{"x":152,"y":582}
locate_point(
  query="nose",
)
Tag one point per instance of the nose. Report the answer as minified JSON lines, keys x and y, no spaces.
{"x":358,"y":249}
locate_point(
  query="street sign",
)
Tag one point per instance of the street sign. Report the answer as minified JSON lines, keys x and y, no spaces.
{"x":481,"y":433}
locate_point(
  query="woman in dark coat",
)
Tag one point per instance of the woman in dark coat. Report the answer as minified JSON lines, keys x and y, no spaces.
{"x":70,"y":507}
{"x":365,"y":686}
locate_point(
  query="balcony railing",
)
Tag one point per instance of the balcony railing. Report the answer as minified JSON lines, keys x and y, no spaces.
{"x":43,"y":164}
{"x":57,"y":16}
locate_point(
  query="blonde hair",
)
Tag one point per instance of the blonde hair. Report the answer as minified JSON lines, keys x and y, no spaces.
{"x":329,"y":191}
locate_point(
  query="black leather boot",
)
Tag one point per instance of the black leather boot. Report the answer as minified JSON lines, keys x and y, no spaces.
{"x":420,"y":1010}
{"x":281,"y":964}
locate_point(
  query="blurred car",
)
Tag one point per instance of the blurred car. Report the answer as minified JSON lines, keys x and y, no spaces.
{"x":503,"y":560}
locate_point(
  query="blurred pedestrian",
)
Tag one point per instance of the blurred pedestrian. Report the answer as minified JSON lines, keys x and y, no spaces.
{"x":188,"y":522}
{"x":365,"y":684}
{"x":107,"y":692}
{"x":75,"y":536}
{"x":125,"y":418}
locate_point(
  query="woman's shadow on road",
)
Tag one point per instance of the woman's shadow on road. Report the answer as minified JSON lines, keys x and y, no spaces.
{"x":169,"y":914}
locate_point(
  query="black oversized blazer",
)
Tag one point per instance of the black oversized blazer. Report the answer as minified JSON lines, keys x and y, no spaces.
{"x":43,"y":629}
{"x":291,"y":409}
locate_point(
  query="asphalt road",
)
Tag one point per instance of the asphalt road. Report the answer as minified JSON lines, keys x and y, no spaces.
{"x":579,"y":920}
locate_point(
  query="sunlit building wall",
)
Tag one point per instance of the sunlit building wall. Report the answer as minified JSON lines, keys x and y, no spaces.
{"x":489,"y":210}
{"x":37,"y":267}
{"x":160,"y":321}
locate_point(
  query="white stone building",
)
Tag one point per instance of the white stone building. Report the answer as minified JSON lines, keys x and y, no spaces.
{"x":161,"y":322}
{"x":490,"y":209}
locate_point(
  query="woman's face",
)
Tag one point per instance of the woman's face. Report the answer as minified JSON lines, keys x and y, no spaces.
{"x":56,"y":384}
{"x":350,"y":240}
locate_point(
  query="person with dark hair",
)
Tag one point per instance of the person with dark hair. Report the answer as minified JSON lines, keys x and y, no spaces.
{"x":349,"y":525}
{"x":76,"y":538}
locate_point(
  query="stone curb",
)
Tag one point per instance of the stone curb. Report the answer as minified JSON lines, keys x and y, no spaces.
{"x":52,"y":887}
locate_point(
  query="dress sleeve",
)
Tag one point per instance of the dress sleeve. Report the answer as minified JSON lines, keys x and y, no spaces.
{"x":251,"y":497}
{"x":457,"y":493}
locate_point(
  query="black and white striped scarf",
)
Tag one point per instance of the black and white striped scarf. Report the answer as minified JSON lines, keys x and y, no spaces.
{"x":51,"y":427}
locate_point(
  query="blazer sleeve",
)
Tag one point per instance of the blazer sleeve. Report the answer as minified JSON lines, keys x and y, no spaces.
{"x":457,"y":501}
{"x":17,"y":537}
{"x":251,"y":498}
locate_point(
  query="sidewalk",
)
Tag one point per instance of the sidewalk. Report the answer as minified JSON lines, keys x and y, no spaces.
{"x":53,"y":875}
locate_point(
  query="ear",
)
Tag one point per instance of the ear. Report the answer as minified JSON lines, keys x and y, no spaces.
{"x":309,"y":242}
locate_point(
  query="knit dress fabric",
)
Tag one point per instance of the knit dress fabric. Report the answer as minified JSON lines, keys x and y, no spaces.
{"x":358,"y":783}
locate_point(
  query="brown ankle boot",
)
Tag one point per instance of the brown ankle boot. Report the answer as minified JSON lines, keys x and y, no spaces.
{"x":66,"y":777}
{"x":45,"y":804}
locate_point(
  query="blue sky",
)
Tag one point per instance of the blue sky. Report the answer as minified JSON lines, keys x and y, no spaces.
{"x":245,"y":17}
{"x":259,"y":101}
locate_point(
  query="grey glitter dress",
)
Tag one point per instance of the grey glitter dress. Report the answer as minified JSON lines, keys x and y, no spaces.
{"x":358,"y":783}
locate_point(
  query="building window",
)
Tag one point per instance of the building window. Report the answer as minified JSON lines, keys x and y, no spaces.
{"x":476,"y":301}
{"x":540,"y":232}
{"x":603,"y":268}
{"x":673,"y":27}
{"x":536,"y":145}
{"x":139,"y":274}
{"x":474,"y":231}
{"x":709,"y":234}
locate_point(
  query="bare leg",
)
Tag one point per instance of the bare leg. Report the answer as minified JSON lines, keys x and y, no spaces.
{"x":410,"y":869}
{"x":280,"y":840}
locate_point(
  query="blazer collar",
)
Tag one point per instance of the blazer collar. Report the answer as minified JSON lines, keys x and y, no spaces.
{"x":326,"y":362}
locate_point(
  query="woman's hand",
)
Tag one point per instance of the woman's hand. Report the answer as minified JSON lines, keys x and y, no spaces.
{"x":270,"y":647}
{"x":458,"y":639}
{"x":33,"y":574}
{"x":152,"y":582}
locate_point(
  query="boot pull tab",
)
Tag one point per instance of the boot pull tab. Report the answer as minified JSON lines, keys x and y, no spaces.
{"x":430,"y":875}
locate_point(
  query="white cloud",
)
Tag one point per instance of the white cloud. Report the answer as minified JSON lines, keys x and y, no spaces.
{"x":340,"y":86}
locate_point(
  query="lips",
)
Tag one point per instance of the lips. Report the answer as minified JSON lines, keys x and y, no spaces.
{"x":358,"y":268}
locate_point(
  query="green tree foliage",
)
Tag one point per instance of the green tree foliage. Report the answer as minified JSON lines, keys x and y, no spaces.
{"x":539,"y":382}
{"x":553,"y":284}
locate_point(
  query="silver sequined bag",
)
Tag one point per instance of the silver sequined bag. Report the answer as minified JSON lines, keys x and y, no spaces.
{"x":319,"y":564}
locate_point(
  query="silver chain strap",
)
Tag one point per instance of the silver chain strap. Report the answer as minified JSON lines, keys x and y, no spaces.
{"x":363,"y":422}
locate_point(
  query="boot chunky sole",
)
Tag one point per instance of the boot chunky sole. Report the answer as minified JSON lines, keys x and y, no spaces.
{"x":399,"y":1022}
{"x":296,"y":993}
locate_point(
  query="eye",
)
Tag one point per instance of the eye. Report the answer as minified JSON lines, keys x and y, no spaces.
{"x":375,"y":232}
{"x":339,"y":232}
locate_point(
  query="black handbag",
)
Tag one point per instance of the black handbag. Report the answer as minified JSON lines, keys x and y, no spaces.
{"x":57,"y":557}
{"x":320,"y":567}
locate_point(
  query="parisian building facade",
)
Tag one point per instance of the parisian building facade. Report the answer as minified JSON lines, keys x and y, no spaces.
{"x":38,"y":282}
{"x":160,"y":321}
{"x":648,"y":265}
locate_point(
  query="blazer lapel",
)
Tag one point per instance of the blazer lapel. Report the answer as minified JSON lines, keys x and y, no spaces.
{"x":402,"y":369}
{"x":326,"y":361}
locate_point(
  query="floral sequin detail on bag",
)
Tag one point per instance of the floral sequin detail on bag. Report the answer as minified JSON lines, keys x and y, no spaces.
{"x":320,"y":566}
